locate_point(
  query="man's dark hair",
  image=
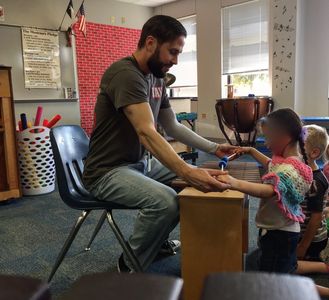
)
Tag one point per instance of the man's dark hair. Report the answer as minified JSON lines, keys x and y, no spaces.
{"x":163,"y":28}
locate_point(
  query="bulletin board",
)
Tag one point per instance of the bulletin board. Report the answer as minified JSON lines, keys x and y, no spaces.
{"x":11,"y":54}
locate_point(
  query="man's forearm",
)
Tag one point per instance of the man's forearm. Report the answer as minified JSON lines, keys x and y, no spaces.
{"x":162,"y":150}
{"x":183,"y":134}
{"x":192,"y":139}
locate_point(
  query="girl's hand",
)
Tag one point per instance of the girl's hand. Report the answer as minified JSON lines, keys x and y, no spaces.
{"x":228,"y":179}
{"x":244,"y":150}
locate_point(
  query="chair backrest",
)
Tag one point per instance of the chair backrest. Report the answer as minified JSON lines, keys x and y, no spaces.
{"x":70,"y":145}
{"x":258,"y":286}
{"x":125,"y":286}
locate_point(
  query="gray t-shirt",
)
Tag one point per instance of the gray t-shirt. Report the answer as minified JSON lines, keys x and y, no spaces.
{"x":114,"y":141}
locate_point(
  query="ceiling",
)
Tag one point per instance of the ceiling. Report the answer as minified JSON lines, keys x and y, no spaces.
{"x":151,"y":3}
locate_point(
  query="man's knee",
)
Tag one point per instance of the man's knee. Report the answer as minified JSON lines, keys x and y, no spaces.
{"x":166,"y":201}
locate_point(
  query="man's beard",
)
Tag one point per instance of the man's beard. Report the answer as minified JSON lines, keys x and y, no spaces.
{"x":156,"y":66}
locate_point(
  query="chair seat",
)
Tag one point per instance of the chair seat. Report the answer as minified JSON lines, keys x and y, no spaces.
{"x":103,"y":286}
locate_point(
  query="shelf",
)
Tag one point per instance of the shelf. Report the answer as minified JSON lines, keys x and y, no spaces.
{"x":9,"y":175}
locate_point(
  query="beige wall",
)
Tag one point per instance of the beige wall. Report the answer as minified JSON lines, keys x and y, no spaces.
{"x":208,"y":56}
{"x":49,"y":13}
{"x":307,"y":94}
{"x":312,"y":58}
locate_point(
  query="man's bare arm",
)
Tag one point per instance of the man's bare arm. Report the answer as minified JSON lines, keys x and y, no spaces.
{"x":141,"y":117}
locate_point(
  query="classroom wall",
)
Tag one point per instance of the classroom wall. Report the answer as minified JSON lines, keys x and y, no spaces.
{"x":48,"y":14}
{"x":312,"y":58}
{"x":103,"y":45}
{"x":302,"y":67}
{"x":208,"y":55}
{"x":282,"y":37}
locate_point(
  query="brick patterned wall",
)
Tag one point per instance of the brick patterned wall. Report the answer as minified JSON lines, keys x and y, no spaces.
{"x":103,"y":45}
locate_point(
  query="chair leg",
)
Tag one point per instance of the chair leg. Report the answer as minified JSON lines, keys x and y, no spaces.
{"x":68,"y":242}
{"x":124,"y":244}
{"x":97,"y":228}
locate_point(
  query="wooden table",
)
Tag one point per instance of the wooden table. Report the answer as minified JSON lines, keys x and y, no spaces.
{"x":214,"y":229}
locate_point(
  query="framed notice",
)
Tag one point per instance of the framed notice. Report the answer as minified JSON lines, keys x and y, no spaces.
{"x":41,"y":58}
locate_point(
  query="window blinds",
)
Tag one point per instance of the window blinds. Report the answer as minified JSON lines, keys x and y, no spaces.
{"x":245,"y":37}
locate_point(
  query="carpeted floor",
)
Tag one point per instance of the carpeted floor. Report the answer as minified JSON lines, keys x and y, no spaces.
{"x":33,"y":229}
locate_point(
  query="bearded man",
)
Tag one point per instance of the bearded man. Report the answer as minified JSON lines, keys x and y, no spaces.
{"x":129,"y":162}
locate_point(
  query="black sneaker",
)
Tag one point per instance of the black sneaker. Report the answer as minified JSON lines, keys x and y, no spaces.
{"x":170,"y":247}
{"x":122,"y":267}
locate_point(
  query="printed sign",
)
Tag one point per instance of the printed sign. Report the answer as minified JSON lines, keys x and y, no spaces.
{"x":41,"y":58}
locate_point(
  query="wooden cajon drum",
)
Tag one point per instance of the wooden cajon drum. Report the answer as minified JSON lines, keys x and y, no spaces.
{"x":212,"y":236}
{"x":214,"y":230}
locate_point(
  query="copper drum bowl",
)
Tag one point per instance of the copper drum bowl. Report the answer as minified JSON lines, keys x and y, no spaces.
{"x":241,"y":116}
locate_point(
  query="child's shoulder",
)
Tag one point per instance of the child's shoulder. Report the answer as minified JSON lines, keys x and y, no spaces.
{"x":292,"y":165}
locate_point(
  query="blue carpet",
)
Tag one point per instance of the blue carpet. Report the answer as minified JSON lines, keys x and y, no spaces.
{"x":33,"y":229}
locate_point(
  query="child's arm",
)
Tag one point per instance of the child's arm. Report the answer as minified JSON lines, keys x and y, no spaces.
{"x":259,"y":190}
{"x":260,"y":157}
{"x":314,"y":201}
{"x":311,"y":229}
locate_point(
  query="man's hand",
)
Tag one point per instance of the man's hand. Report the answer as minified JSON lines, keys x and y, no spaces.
{"x":205,"y":180}
{"x":225,"y":150}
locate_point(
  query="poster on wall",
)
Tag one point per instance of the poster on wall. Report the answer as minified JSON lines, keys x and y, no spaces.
{"x":41,"y":58}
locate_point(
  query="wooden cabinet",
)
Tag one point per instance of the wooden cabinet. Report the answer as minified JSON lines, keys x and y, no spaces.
{"x":9,"y":174}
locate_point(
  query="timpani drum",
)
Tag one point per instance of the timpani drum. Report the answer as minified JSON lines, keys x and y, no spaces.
{"x":241,"y":115}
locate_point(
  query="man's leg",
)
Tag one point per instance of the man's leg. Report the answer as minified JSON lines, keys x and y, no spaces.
{"x":160,"y":173}
{"x":163,"y":175}
{"x":158,"y":208}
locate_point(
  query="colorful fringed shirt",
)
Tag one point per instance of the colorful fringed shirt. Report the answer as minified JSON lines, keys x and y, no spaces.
{"x":291,"y":180}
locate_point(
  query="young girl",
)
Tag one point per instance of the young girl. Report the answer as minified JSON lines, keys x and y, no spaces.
{"x":283,"y":189}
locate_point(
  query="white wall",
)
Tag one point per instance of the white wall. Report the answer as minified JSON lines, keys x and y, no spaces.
{"x":49,"y":13}
{"x":282,"y":41}
{"x":208,"y":14}
{"x":312,"y":58}
{"x":178,"y":9}
{"x":209,"y":65}
{"x":308,"y":66}
{"x":208,"y":55}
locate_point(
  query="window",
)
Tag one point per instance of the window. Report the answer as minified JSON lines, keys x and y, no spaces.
{"x":245,"y":48}
{"x":186,"y":69}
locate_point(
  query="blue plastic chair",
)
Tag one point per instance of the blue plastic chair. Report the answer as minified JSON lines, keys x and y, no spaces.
{"x":70,"y":145}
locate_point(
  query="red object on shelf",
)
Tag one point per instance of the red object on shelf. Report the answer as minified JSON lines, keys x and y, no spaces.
{"x":38,"y":116}
{"x":53,"y":121}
